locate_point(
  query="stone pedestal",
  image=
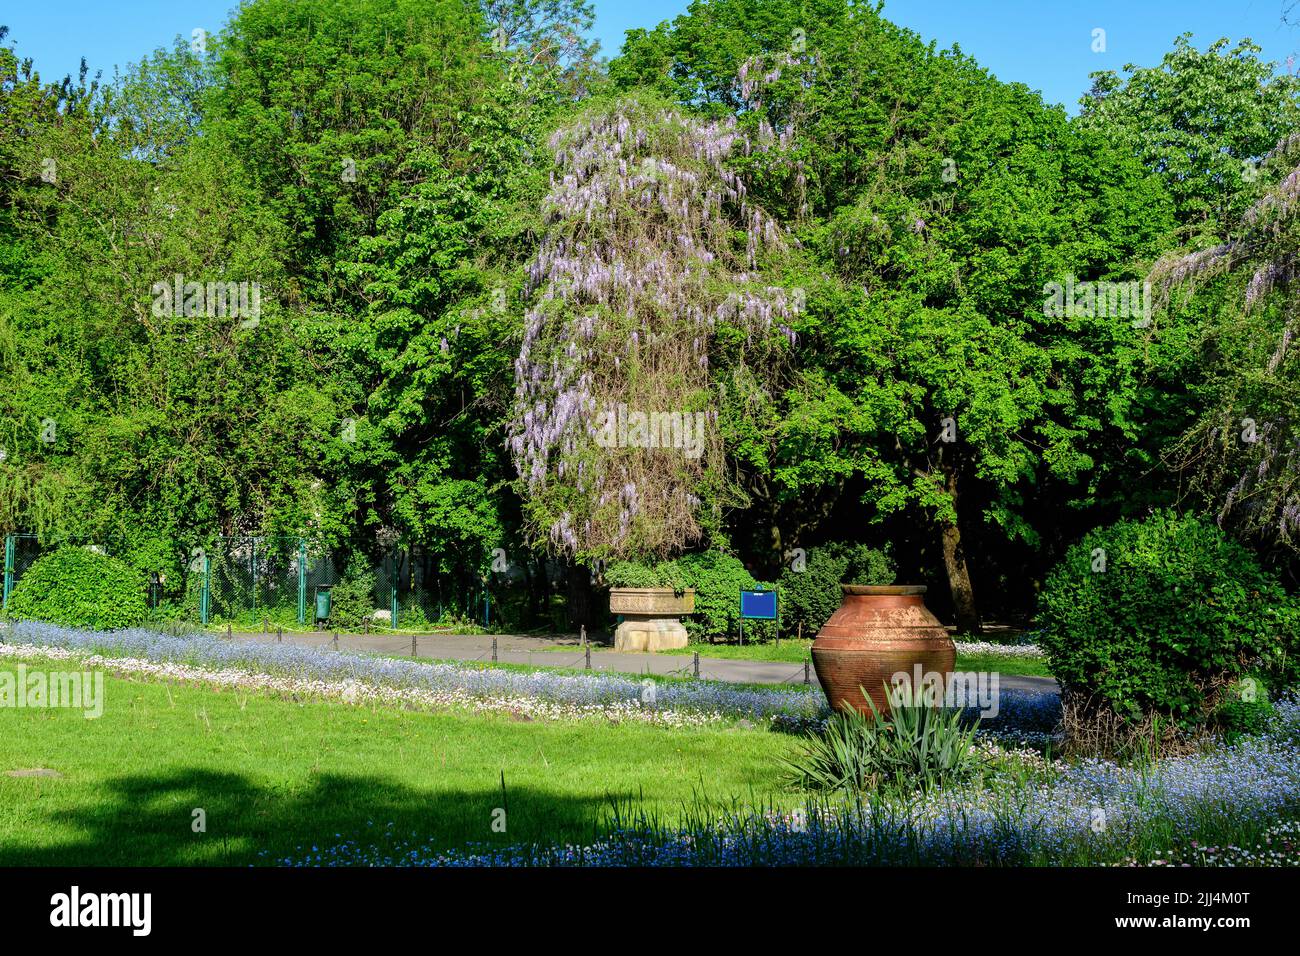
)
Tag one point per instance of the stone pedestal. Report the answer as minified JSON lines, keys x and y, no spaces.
{"x":651,"y":618}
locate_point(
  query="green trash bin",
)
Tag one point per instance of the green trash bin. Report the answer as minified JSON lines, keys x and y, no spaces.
{"x":322,"y":603}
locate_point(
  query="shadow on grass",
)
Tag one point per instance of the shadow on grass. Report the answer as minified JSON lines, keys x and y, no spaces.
{"x":148,"y":820}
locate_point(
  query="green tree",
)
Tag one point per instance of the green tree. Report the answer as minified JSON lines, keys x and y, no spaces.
{"x":1201,"y":120}
{"x":941,"y":203}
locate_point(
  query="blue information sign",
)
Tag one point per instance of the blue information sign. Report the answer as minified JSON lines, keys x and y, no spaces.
{"x":758,"y":605}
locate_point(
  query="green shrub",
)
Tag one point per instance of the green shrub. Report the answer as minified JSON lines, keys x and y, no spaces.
{"x":1174,"y":617}
{"x":810,"y":590}
{"x":352,"y":599}
{"x":78,"y":587}
{"x":412,"y":617}
{"x":634,"y":574}
{"x":717,"y":579}
{"x":1245,"y":709}
{"x":914,"y":747}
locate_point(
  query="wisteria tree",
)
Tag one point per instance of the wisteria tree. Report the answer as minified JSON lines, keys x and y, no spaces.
{"x":652,"y":261}
{"x":935,"y":391}
{"x":1242,"y":454}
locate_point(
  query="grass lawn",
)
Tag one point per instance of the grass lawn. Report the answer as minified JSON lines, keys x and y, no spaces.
{"x":998,"y":663}
{"x":274,"y":774}
{"x":793,"y":651}
{"x":796,"y":651}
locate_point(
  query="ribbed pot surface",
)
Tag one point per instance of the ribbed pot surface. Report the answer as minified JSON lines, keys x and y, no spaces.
{"x":877,"y":632}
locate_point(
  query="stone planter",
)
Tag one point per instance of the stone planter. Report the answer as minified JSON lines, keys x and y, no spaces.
{"x":877,"y":632}
{"x":651,"y":618}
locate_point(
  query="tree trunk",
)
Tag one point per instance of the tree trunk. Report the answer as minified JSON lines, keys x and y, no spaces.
{"x":954,"y":561}
{"x":776,"y":550}
{"x":579,"y":596}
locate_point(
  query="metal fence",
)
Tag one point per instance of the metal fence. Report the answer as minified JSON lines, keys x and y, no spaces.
{"x":21,"y":550}
{"x":247,"y":582}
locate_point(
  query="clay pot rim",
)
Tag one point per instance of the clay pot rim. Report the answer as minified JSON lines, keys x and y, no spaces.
{"x":883,"y":589}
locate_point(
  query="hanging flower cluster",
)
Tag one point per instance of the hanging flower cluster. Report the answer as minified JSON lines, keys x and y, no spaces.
{"x":651,"y":256}
{"x":1245,"y":454}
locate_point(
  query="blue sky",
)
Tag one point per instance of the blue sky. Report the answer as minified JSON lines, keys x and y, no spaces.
{"x":1045,"y":44}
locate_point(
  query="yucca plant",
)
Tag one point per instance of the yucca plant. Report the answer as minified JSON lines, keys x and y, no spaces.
{"x":915,"y":746}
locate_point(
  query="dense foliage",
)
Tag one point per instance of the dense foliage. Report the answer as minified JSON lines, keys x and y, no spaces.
{"x":1202,"y":119}
{"x":80,"y":587}
{"x":810,"y":583}
{"x":1165,"y":615}
{"x":912,"y":747}
{"x":462,"y":242}
{"x":352,"y":600}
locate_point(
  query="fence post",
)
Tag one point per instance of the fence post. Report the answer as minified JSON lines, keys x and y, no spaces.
{"x":205,"y":591}
{"x":9,"y":569}
{"x":494,"y":649}
{"x":588,"y":657}
{"x":806,"y":678}
{"x":302,"y":581}
{"x":697,"y":663}
{"x":392,"y":590}
{"x":252,"y":567}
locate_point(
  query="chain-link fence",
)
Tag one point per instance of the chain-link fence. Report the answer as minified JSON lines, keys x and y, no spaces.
{"x":21,"y":552}
{"x":294,"y":583}
{"x":246,"y":580}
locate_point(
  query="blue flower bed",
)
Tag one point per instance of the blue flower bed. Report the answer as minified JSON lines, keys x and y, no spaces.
{"x":790,"y":708}
{"x":729,"y":700}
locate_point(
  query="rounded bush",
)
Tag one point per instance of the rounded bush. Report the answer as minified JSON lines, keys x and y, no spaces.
{"x":78,"y":587}
{"x":1163,"y":616}
{"x":352,"y":599}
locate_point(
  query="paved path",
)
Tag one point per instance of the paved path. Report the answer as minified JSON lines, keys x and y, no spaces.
{"x":567,"y":652}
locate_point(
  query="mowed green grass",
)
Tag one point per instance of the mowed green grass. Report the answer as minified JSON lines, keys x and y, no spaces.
{"x":796,"y":651}
{"x":274,"y":774}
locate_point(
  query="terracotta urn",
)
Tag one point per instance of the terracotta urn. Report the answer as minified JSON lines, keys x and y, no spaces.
{"x":877,"y":632}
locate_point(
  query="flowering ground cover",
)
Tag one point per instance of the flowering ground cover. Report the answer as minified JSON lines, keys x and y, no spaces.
{"x":538,"y":691}
{"x":1279,"y":845}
